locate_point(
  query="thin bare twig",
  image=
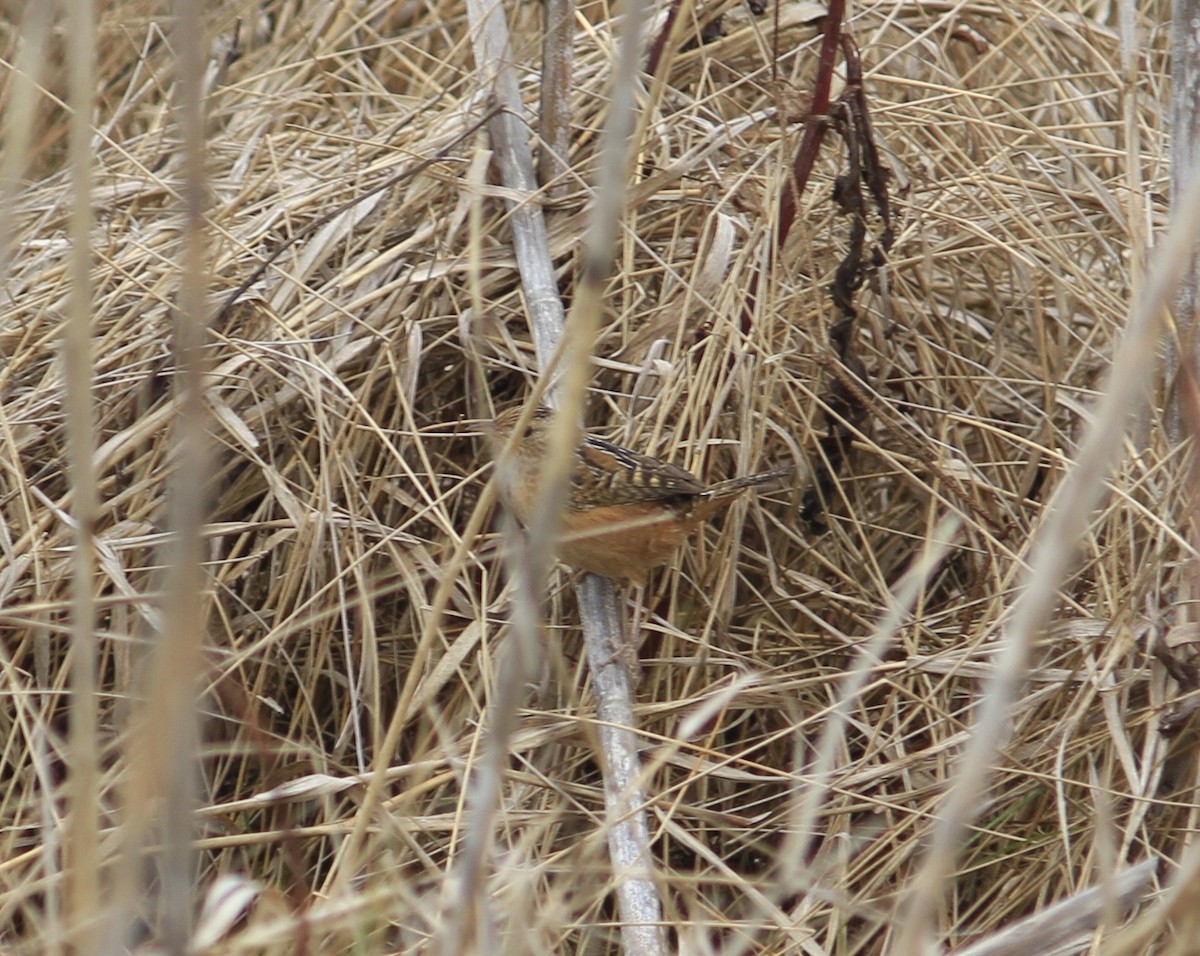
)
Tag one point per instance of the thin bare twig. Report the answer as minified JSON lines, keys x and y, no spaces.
{"x":558,"y":57}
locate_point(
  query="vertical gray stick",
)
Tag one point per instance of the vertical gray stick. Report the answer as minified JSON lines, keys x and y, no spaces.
{"x":1182,"y":354}
{"x":558,"y":56}
{"x":600,"y":614}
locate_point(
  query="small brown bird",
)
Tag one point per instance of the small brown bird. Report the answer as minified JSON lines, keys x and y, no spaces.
{"x":626,"y":513}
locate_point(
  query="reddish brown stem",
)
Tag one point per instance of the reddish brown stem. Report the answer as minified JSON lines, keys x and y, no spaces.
{"x":660,"y":41}
{"x":810,"y":145}
{"x":814,"y":127}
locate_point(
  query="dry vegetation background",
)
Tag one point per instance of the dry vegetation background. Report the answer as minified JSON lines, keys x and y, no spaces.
{"x":346,"y":393}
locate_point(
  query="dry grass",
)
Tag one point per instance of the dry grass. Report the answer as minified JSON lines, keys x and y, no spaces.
{"x":345,"y":393}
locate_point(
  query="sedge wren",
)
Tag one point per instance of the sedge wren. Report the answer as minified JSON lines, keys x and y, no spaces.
{"x":626,"y":513}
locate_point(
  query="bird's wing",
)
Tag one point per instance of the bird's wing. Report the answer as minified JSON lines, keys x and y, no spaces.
{"x":616,"y":475}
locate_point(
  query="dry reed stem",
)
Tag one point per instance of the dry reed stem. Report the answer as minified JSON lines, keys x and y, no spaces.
{"x":82,"y":837}
{"x":345,"y":393}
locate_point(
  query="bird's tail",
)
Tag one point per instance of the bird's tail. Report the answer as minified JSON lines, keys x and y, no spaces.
{"x":778,"y":478}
